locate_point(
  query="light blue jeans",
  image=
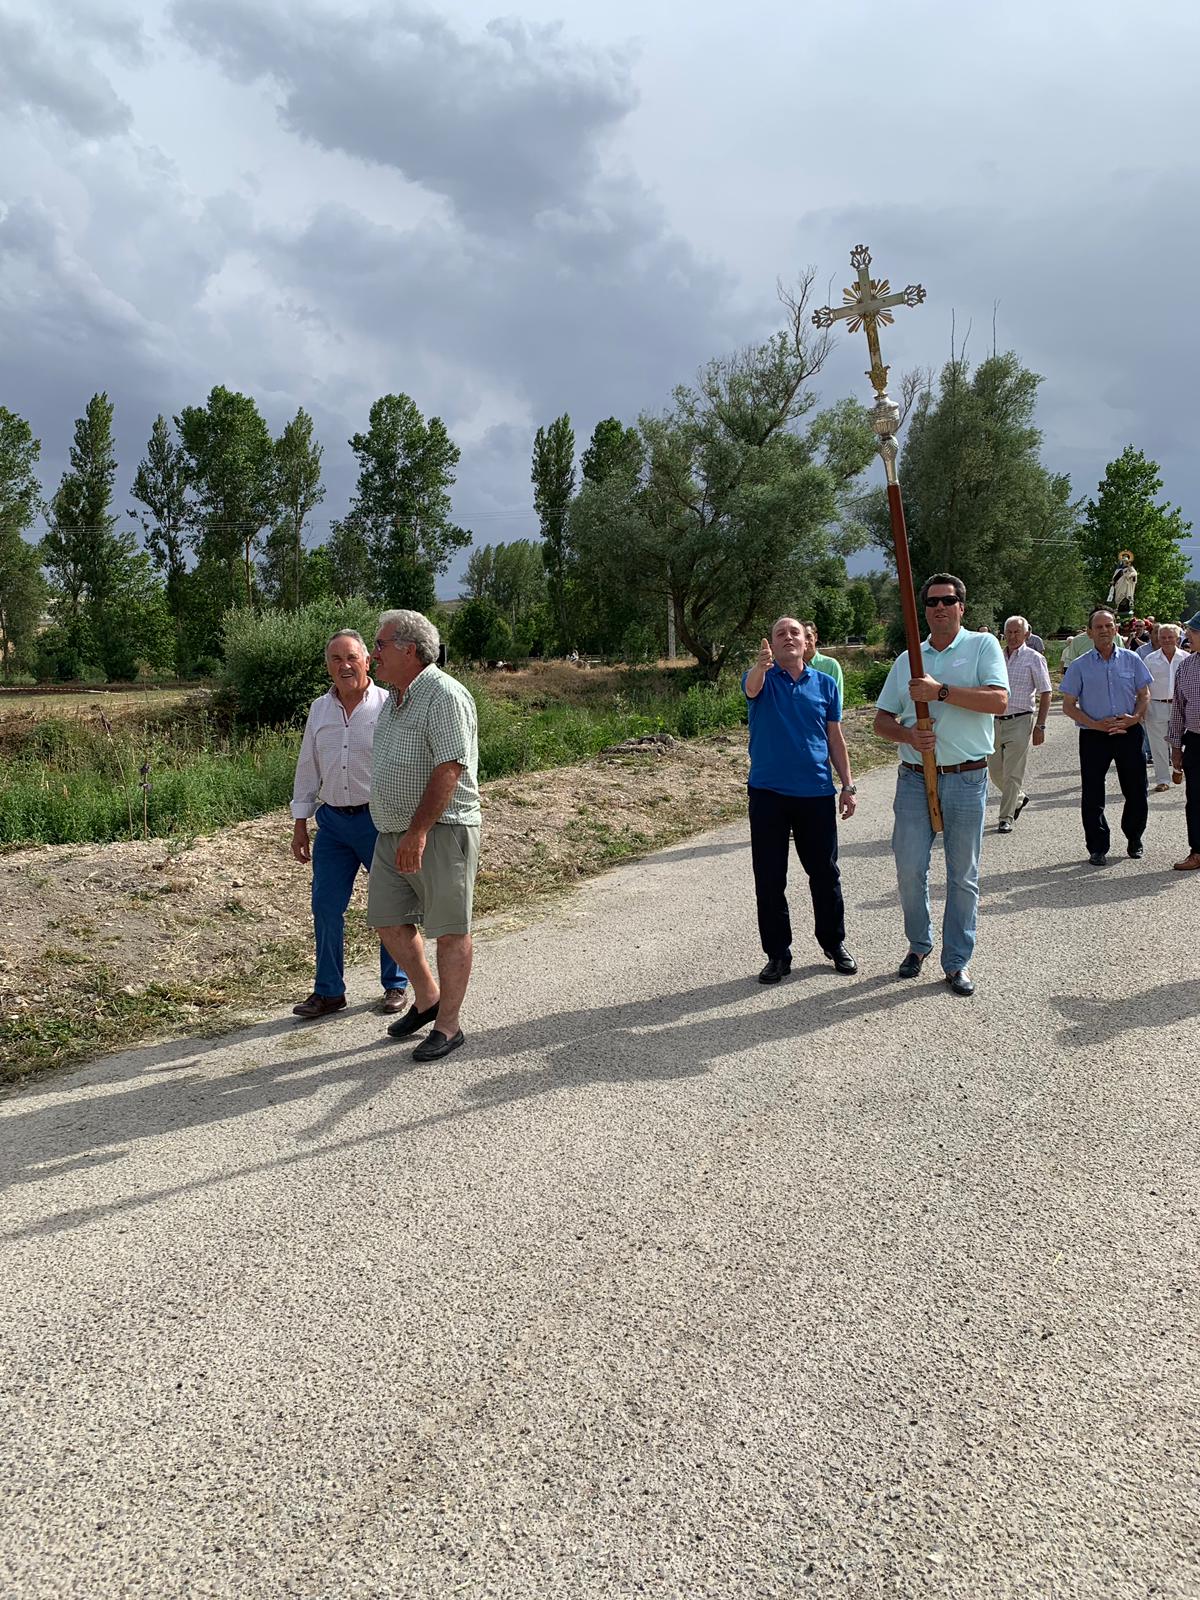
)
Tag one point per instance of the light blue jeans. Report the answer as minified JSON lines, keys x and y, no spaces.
{"x":963,"y":796}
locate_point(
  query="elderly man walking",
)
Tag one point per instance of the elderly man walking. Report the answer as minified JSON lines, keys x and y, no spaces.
{"x":1021,"y":723}
{"x":1162,"y":663}
{"x":1106,"y":692}
{"x":795,"y":716}
{"x":333,"y":784}
{"x":425,"y":803}
{"x":962,"y":679}
{"x":1183,"y":735}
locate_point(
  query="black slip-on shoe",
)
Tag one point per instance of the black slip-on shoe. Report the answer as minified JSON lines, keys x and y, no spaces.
{"x":911,"y":966}
{"x":960,"y":982}
{"x":412,"y":1020}
{"x":778,"y":967}
{"x":842,"y":960}
{"x":1098,"y":858}
{"x":436,"y":1046}
{"x":1135,"y":851}
{"x":1021,"y":804}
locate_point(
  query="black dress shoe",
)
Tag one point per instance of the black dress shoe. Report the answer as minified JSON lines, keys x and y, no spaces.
{"x":842,"y":960}
{"x":1098,"y":858}
{"x":911,"y":966}
{"x":1021,"y":804}
{"x":319,"y":1005}
{"x":436,"y":1046}
{"x":1135,"y":851}
{"x":960,"y":982}
{"x":778,"y":967}
{"x":412,"y":1020}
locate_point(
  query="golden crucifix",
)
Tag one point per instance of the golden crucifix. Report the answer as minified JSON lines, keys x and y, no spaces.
{"x":868,"y":303}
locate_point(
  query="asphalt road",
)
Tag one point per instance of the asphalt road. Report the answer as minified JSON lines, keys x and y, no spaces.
{"x":668,"y":1284}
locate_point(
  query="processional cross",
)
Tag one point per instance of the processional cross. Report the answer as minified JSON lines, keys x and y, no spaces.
{"x":868,"y":303}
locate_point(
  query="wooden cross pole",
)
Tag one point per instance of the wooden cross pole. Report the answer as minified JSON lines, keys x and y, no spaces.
{"x":867,"y":304}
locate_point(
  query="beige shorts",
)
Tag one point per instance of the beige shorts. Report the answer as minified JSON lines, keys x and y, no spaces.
{"x":439,"y":898}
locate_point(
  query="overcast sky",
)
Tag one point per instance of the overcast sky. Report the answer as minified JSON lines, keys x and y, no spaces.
{"x":569,"y":209}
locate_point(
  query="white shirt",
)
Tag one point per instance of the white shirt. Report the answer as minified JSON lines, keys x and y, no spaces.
{"x":334,"y":768}
{"x":1028,"y":675}
{"x":1163,"y":673}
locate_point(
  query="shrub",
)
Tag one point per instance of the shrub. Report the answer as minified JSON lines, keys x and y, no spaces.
{"x":275,"y":660}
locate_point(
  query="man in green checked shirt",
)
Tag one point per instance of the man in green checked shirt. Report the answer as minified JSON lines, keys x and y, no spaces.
{"x":425,"y":804}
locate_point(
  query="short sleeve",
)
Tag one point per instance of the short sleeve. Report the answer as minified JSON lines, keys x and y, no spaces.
{"x":833,"y":708}
{"x":1041,"y":674}
{"x":449,"y":730}
{"x":894,"y":693}
{"x":1142,"y":674}
{"x":1073,"y":679}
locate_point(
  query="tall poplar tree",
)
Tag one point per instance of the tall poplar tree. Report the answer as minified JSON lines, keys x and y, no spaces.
{"x":22,"y":587}
{"x":553,"y":478}
{"x":298,"y":490}
{"x":398,"y":529}
{"x":160,"y":485}
{"x":230,"y":458}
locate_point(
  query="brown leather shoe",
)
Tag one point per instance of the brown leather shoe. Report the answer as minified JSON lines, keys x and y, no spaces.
{"x":1189,"y":863}
{"x":393,"y":1002}
{"x":320,"y":1005}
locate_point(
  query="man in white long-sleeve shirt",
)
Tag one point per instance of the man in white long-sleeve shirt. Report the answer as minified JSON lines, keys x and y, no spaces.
{"x":1163,"y":662}
{"x":333,"y":783}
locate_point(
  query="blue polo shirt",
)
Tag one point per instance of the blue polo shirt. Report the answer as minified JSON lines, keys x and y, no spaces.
{"x":789,"y":740}
{"x":970,"y":661}
{"x":1106,"y":688}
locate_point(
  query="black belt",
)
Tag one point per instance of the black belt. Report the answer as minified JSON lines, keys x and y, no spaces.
{"x":962,"y":766}
{"x":1008,"y":717}
{"x":347,"y":811}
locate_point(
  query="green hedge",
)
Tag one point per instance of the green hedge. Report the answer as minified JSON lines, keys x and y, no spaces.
{"x":275,"y":660}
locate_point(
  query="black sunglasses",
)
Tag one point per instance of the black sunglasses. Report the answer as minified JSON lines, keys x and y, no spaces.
{"x":943,"y":600}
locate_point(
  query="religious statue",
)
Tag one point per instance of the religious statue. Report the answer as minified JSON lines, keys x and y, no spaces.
{"x":1124,"y":584}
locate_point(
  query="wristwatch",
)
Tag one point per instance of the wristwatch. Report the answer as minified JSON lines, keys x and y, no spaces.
{"x":944,"y":692}
{"x":849,"y":788}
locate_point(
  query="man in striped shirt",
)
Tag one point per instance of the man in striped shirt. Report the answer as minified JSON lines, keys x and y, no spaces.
{"x":1021,"y":724}
{"x":1183,"y":735}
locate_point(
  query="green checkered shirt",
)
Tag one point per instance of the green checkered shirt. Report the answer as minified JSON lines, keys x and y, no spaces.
{"x":433,"y":722}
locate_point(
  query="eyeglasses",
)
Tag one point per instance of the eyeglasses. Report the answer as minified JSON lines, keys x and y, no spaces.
{"x":943,"y":600}
{"x":379,"y":643}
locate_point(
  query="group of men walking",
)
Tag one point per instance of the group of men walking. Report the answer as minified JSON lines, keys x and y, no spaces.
{"x":988,"y":708}
{"x":391,"y":775}
{"x":389,"y":771}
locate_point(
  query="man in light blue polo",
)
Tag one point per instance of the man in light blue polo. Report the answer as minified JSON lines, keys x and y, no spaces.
{"x":1107,"y":694}
{"x":964,"y":682}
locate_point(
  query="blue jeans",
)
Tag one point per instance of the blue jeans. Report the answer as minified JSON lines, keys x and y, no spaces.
{"x":343,"y":845}
{"x":963,"y":796}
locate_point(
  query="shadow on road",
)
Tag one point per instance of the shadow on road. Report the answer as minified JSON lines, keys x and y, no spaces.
{"x":673,"y":1036}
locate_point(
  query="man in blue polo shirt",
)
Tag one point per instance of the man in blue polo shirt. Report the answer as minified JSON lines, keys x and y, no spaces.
{"x":795,"y":716}
{"x":964,"y":682}
{"x":1107,"y":693}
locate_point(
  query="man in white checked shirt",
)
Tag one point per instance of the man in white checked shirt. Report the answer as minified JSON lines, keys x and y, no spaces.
{"x":1162,"y":663}
{"x":1023,"y":723}
{"x":333,"y":783}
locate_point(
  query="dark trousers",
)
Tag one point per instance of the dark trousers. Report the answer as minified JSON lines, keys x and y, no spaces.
{"x":1096,"y":752}
{"x":1191,"y":777}
{"x":775,"y":820}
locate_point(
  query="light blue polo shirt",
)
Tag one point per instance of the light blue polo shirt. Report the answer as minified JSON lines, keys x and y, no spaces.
{"x":1107,"y":688}
{"x":789,"y":737}
{"x":969,"y":661}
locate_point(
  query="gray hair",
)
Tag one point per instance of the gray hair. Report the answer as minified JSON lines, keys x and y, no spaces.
{"x":411,"y":627}
{"x":1172,"y":628}
{"x":1024,"y":621}
{"x":348,"y":633}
